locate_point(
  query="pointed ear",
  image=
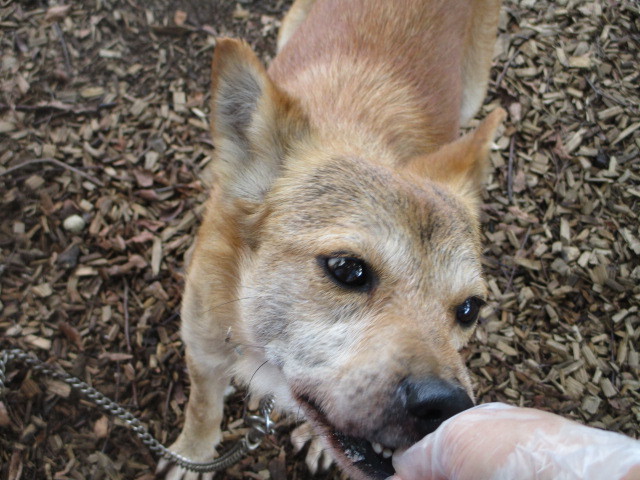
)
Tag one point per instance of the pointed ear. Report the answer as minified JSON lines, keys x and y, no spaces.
{"x":461,"y":165}
{"x":253,"y":124}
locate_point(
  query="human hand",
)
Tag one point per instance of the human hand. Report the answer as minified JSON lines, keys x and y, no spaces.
{"x":500,"y":442}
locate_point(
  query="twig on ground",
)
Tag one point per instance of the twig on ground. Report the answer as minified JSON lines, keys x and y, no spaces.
{"x":125,"y":307}
{"x":505,"y":68}
{"x":599,"y":92}
{"x":65,"y":50}
{"x":512,"y":143}
{"x":515,"y":267}
{"x":35,"y":161}
{"x":63,"y":108}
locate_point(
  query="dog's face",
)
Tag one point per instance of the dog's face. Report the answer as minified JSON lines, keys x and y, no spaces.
{"x":361,"y":278}
{"x":362,"y":289}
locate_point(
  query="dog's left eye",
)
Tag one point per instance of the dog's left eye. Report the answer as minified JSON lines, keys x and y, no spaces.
{"x":348,"y":272}
{"x":467,"y":312}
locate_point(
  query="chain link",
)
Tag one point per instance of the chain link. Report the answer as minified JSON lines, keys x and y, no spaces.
{"x":261,"y":425}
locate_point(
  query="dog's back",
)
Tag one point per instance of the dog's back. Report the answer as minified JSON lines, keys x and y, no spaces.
{"x":406,"y":72}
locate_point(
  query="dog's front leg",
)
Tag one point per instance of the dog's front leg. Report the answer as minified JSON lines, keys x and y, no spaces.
{"x":201,"y":432}
{"x":208,"y":359}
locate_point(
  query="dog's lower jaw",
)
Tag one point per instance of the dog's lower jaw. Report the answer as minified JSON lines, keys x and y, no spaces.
{"x":359,"y":457}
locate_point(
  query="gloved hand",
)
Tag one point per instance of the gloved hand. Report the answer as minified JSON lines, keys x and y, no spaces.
{"x":500,"y":442}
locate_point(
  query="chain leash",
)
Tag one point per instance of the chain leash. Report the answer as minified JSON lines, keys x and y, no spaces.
{"x":260,"y":425}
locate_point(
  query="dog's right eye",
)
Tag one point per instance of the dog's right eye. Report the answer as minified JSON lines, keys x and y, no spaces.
{"x":468,"y":311}
{"x":348,"y":272}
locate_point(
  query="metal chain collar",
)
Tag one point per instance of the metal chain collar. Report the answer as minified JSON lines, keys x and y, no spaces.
{"x":260,"y":425}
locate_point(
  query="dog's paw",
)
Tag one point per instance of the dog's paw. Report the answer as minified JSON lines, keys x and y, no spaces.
{"x":167,"y":470}
{"x":318,"y":457}
{"x":202,"y":451}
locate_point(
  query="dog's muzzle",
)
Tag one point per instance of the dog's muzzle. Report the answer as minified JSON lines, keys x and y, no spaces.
{"x":420,"y":406}
{"x":432,"y":401}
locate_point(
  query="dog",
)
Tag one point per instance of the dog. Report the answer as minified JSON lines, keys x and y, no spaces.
{"x":338,"y":265}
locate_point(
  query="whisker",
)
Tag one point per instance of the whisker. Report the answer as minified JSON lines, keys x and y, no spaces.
{"x":215,"y":307}
{"x":251,"y":379}
{"x":310,"y":437}
{"x":246,"y":345}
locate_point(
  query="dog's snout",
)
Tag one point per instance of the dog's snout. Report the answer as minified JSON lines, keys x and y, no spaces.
{"x":433,"y":400}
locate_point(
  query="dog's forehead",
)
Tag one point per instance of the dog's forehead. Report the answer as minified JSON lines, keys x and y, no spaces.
{"x":356,"y":194}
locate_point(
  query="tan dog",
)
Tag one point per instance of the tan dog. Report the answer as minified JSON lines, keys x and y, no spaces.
{"x":338,"y":264}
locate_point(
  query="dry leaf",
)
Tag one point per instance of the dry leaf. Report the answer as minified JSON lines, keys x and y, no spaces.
{"x":58,"y":387}
{"x":179,"y":17}
{"x":240,"y":13}
{"x":116,"y":357}
{"x":71,"y":333}
{"x":40,"y":342}
{"x":101,"y":427}
{"x":134,"y":262}
{"x":5,"y":421}
{"x":142,"y":237}
{"x":15,"y":465}
{"x":57,"y":13}
{"x":143,"y":178}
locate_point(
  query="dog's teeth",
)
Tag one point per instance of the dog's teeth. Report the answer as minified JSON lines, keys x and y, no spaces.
{"x":386,"y":453}
{"x":376,"y":447}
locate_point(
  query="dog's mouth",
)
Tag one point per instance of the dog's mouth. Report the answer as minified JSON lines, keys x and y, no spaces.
{"x":370,"y":459}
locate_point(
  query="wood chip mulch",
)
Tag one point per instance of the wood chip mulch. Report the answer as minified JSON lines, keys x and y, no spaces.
{"x":103,"y":144}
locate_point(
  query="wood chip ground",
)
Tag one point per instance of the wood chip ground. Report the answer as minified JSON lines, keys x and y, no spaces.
{"x":103,"y":143}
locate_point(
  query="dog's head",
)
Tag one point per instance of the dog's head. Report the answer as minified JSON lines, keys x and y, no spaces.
{"x":361,"y":275}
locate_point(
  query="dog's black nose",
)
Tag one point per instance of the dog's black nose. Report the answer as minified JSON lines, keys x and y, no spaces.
{"x":433,"y":400}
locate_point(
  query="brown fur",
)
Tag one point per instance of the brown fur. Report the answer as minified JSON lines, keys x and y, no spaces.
{"x":348,"y":146}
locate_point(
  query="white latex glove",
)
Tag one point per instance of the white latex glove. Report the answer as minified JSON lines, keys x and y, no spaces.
{"x":495,"y":441}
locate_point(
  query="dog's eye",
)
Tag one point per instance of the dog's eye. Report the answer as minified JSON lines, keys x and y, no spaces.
{"x":348,"y":272}
{"x":467,"y":312}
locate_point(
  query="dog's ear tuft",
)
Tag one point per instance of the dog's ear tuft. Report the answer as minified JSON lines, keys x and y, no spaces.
{"x":253,"y":124}
{"x":461,"y":165}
